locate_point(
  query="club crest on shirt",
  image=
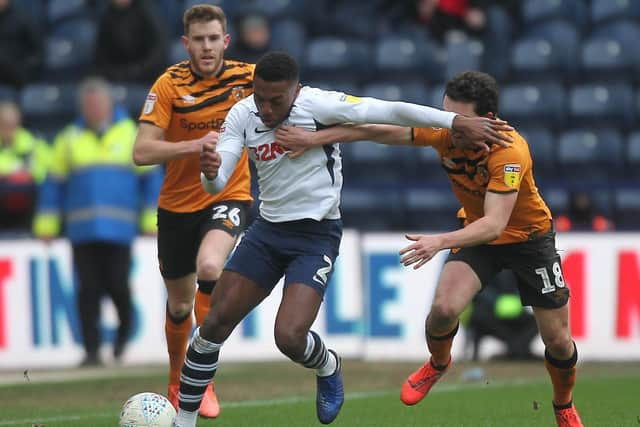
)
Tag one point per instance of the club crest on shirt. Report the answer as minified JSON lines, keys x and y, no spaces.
{"x":512,"y":175}
{"x":237,"y":92}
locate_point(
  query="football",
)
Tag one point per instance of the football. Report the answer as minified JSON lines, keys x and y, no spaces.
{"x":147,"y":410}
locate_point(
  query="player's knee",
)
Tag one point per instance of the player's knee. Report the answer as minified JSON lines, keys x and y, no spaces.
{"x":291,"y":341}
{"x":559,"y":344}
{"x":217,"y":326}
{"x":179,"y":309}
{"x":443,"y":313}
{"x":208,"y":270}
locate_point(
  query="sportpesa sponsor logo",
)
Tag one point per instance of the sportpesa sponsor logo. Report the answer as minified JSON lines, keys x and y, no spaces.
{"x":209,"y":124}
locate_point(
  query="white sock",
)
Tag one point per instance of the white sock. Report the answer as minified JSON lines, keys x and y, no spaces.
{"x":330,"y":367}
{"x":202,"y":345}
{"x":186,"y":418}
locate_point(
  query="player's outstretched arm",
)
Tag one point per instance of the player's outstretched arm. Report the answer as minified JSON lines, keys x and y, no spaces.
{"x":497,"y":208}
{"x":298,"y":140}
{"x":150,"y":148}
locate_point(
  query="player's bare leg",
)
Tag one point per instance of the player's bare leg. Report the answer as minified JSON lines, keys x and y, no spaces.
{"x":298,"y":310}
{"x":233,"y":298}
{"x":561,"y":356}
{"x":214,"y":250}
{"x":457,"y":286}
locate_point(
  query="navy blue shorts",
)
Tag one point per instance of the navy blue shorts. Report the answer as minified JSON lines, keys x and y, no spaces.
{"x":302,"y":251}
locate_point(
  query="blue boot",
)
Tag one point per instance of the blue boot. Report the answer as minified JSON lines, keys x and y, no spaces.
{"x":330,"y":394}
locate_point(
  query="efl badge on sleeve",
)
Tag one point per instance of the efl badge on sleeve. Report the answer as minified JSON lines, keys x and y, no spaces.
{"x":512,"y":175}
{"x":350,"y":99}
{"x":149,"y":103}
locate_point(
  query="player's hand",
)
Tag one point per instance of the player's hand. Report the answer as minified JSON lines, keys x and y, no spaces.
{"x":420,"y":252}
{"x":295,"y":140}
{"x":210,"y":160}
{"x":483,"y":131}
{"x":208,"y":142}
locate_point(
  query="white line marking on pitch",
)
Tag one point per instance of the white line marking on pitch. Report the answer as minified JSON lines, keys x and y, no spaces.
{"x":444,"y":388}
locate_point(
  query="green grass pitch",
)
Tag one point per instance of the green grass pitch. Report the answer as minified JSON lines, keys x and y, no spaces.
{"x":282,"y":394}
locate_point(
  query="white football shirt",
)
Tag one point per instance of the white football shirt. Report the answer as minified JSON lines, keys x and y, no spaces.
{"x":308,"y":186}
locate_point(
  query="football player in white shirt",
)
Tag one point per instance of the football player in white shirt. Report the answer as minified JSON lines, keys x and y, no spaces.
{"x":298,"y":232}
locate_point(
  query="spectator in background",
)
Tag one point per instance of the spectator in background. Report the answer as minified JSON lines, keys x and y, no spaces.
{"x":582,"y":215}
{"x":131,"y":45}
{"x":21,"y":46}
{"x":444,"y":16}
{"x":105,"y":200}
{"x":254,"y":35}
{"x":23,"y":160}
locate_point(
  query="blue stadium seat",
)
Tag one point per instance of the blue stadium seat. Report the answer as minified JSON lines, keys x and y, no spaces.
{"x":607,"y":10}
{"x":369,"y":208}
{"x":559,"y":55}
{"x":605,"y":57}
{"x":70,"y":49}
{"x":627,"y":208}
{"x":47,"y":106}
{"x":531,"y":103}
{"x":346,"y":86}
{"x":36,"y":9}
{"x":131,"y":96}
{"x":463,"y":55}
{"x":337,"y":58}
{"x":542,"y":148}
{"x":8,"y":93}
{"x":232,"y":8}
{"x":633,"y":154}
{"x":593,"y":104}
{"x":432,"y":208}
{"x":590,"y":156}
{"x":557,"y":199}
{"x":437,"y":95}
{"x":544,"y":10}
{"x":627,"y":32}
{"x":177,"y":52}
{"x":405,"y":56}
{"x":280,"y":8}
{"x":415,"y":92}
{"x":289,"y":36}
{"x":382,"y":164}
{"x":60,"y":10}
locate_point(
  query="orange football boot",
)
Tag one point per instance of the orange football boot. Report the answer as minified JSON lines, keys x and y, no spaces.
{"x":416,"y":387}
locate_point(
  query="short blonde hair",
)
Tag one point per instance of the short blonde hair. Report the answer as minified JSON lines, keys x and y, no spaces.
{"x":203,"y":13}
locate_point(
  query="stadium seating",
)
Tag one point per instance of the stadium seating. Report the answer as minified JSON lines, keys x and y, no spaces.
{"x":289,"y":36}
{"x":374,"y":163}
{"x":334,"y":58}
{"x":534,"y":11}
{"x":70,"y":50}
{"x":177,"y":52}
{"x":131,"y":96}
{"x":369,"y":208}
{"x":633,"y":154}
{"x":404,"y":56}
{"x":60,"y":10}
{"x":606,"y":104}
{"x":557,"y":199}
{"x":47,"y":107}
{"x":8,"y":93}
{"x":430,"y":208}
{"x":590,"y":156}
{"x":627,"y":208}
{"x":531,"y":103}
{"x":462,"y":55}
{"x":542,"y":148}
{"x":608,"y":10}
{"x":414,"y":91}
{"x":277,"y":9}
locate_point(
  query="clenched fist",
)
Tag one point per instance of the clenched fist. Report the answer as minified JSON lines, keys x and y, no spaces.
{"x":210,"y":160}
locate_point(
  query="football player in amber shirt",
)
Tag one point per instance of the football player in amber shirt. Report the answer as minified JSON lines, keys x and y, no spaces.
{"x":508,"y":226}
{"x":196,"y":230}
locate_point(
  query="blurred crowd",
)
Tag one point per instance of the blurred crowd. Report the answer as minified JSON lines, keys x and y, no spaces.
{"x":388,"y":49}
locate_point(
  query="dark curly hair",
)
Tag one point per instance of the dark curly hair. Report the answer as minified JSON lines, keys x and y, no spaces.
{"x":477,"y":87}
{"x":277,"y":66}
